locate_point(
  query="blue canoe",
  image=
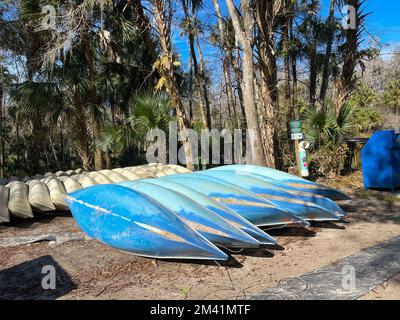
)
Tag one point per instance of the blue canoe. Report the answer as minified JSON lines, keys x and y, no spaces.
{"x":291,"y":181}
{"x":210,"y":225}
{"x":319,"y":200}
{"x":251,"y":207}
{"x":128,"y":221}
{"x":231,"y":216}
{"x":296,"y":204}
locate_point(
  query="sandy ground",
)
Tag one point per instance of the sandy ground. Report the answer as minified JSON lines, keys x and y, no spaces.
{"x":87,"y":269}
{"x":390,"y":290}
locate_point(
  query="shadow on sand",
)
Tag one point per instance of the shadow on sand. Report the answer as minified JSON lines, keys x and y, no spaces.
{"x":24,"y":281}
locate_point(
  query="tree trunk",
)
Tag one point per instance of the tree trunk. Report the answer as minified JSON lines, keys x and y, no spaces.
{"x":2,"y":145}
{"x":190,"y":91}
{"x":197,"y":74}
{"x":312,"y":86}
{"x":286,"y":62}
{"x":350,"y":55}
{"x":96,"y":127}
{"x":82,"y":133}
{"x":328,"y":53}
{"x":268,"y":111}
{"x":229,"y":94}
{"x":227,"y":62}
{"x":203,"y":82}
{"x":163,"y":17}
{"x":293,"y":60}
{"x":141,"y":21}
{"x":244,"y":37}
{"x":235,"y":61}
{"x":108,"y":160}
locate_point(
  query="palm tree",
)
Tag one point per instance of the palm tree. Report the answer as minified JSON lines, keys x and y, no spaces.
{"x":328,"y":53}
{"x":166,"y":66}
{"x":146,"y":112}
{"x":350,"y":52}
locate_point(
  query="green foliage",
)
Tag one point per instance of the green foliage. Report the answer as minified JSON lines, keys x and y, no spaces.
{"x":364,"y":97}
{"x":35,"y":99}
{"x":323,"y":126}
{"x":391,"y":96}
{"x":326,"y":129}
{"x":150,"y":111}
{"x":367,"y":120}
{"x":146,"y":112}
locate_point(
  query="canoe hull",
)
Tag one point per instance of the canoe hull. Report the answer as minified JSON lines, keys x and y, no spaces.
{"x":128,"y":221}
{"x":297,"y":205}
{"x":211,"y":226}
{"x":248,"y":205}
{"x":231,"y":216}
{"x":289,"y":180}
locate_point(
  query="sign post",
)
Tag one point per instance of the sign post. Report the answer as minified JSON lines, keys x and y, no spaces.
{"x":296,"y":135}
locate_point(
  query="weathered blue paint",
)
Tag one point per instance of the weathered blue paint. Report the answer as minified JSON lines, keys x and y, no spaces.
{"x":319,"y":200}
{"x":281,"y":198}
{"x":253,"y":208}
{"x":213,"y":227}
{"x":129,"y":221}
{"x":289,"y":179}
{"x":218,"y":208}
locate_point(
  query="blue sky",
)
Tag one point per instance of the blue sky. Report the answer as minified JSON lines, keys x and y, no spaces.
{"x":383,"y":23}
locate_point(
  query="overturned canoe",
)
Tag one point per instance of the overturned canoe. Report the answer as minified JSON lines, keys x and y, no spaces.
{"x":85,"y":181}
{"x":39,"y":196}
{"x":210,"y":225}
{"x":70,"y":184}
{"x":248,"y":205}
{"x":319,"y":200}
{"x":61,"y":174}
{"x":291,"y":181}
{"x":113,"y":176}
{"x":128,"y":221}
{"x":70,"y":172}
{"x":176,"y":168}
{"x":281,"y":198}
{"x":126,"y":173}
{"x":229,"y":215}
{"x":155,"y":171}
{"x":99,"y":177}
{"x":140,"y":171}
{"x":4,"y":213}
{"x":18,"y":201}
{"x":57,"y":193}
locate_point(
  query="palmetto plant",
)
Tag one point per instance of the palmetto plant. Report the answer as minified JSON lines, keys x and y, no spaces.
{"x":146,"y":112}
{"x":323,"y":126}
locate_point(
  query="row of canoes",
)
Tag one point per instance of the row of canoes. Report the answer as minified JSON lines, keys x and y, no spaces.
{"x":47,"y":193}
{"x":194,"y":215}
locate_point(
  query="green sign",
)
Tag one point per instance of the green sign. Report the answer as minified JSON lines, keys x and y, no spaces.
{"x":295,"y":127}
{"x":295,"y":130}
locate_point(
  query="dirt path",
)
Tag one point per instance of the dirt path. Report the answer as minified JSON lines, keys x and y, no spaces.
{"x":88,"y":269}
